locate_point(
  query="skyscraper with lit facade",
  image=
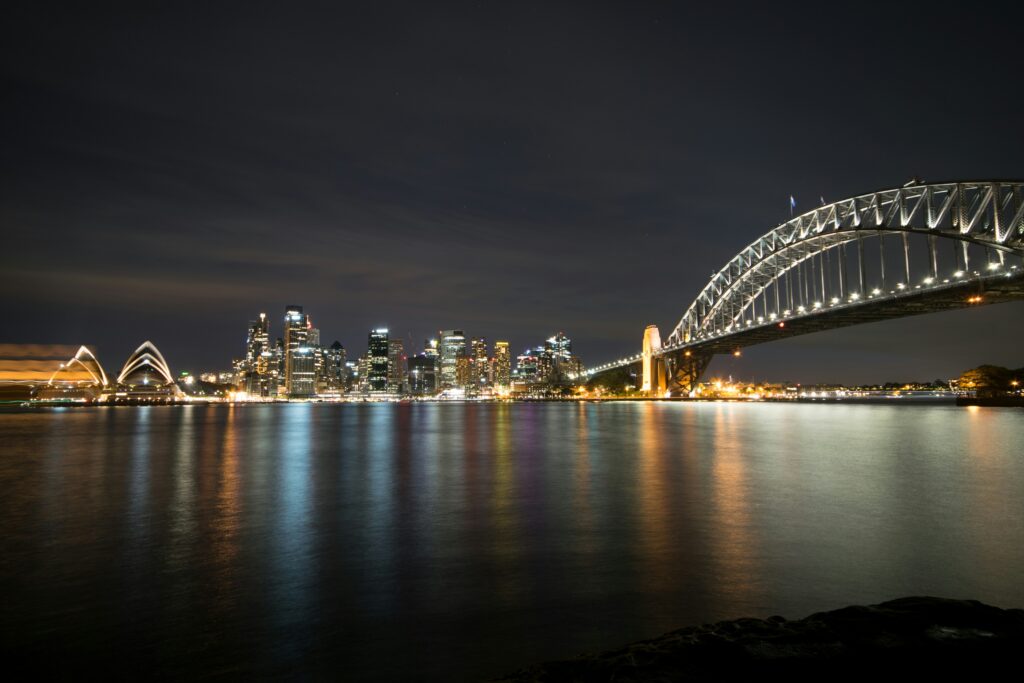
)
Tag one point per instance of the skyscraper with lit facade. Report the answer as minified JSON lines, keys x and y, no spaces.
{"x":377,"y":351}
{"x":502,"y":366}
{"x":256,"y":343}
{"x":452,"y":346}
{"x":299,"y":359}
{"x":396,"y":366}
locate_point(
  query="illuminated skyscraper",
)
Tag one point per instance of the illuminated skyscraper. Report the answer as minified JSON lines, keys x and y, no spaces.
{"x":300,"y":380}
{"x":396,"y":366}
{"x":256,"y":344}
{"x":479,"y":370}
{"x":452,"y":347}
{"x":332,"y":379}
{"x":502,"y":366}
{"x":377,"y":351}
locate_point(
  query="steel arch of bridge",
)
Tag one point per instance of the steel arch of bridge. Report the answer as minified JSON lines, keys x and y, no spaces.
{"x":989,"y":213}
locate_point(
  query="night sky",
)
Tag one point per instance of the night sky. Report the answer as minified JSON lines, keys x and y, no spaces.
{"x":511,"y":170}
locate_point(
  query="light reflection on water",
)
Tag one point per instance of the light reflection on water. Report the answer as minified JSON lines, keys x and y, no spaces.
{"x":458,"y":541}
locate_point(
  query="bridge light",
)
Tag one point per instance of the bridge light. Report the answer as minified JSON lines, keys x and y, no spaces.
{"x":928,"y":280}
{"x":687,"y":354}
{"x":773,"y":316}
{"x":736,"y":353}
{"x":900,"y":285}
{"x":876,"y":292}
{"x":801,"y":309}
{"x":817,"y":304}
{"x":782,"y":324}
{"x":958,"y":273}
{"x":787,"y":312}
{"x":855,"y":296}
{"x":834,"y":300}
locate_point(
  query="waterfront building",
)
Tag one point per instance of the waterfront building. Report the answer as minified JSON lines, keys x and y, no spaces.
{"x":377,"y":350}
{"x":303,"y":372}
{"x":502,"y":376}
{"x":528,"y":365}
{"x":256,"y":344}
{"x":362,"y":374}
{"x":479,"y":370}
{"x":463,"y":373}
{"x":396,"y":366}
{"x":332,"y":378}
{"x":296,"y":336}
{"x":452,"y":346}
{"x":422,"y":375}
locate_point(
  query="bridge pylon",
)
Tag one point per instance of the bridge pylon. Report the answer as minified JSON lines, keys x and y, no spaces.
{"x":653,"y":379}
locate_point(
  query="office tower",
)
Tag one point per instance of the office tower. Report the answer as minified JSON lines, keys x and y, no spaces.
{"x":527,"y":367}
{"x":334,"y":368}
{"x":422,"y":375}
{"x":452,"y":346}
{"x":396,"y":366}
{"x":430,"y":348}
{"x":502,"y":366}
{"x":303,"y":372}
{"x":256,"y":341}
{"x":278,"y":361}
{"x":558,"y":348}
{"x":363,"y":373}
{"x":296,"y":335}
{"x":299,"y":357}
{"x":377,"y":350}
{"x":463,"y":372}
{"x":478,"y":370}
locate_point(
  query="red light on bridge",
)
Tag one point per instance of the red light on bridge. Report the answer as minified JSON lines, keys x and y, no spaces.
{"x":782,"y":324}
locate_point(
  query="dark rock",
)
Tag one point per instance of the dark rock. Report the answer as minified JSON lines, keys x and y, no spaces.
{"x":909,"y":638}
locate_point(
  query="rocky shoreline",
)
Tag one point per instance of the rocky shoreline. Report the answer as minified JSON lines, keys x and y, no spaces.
{"x":911,"y":638}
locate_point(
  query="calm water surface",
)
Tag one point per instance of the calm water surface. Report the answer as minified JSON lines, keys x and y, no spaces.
{"x":449,"y":542}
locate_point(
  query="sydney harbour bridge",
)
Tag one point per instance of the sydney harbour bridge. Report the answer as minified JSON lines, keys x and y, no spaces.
{"x":920,"y":248}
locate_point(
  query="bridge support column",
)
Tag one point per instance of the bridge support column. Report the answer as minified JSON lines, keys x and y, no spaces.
{"x":684,"y":370}
{"x":653,"y":378}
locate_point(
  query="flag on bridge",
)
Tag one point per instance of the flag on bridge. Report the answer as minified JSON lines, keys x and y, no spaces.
{"x":792,"y":204}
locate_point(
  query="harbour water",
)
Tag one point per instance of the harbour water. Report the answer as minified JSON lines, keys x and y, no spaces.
{"x":460,"y":541}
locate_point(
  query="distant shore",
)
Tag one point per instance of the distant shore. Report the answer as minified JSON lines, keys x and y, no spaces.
{"x":913,"y":638}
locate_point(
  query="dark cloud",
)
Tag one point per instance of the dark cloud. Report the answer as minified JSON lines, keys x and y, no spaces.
{"x":512,"y":170}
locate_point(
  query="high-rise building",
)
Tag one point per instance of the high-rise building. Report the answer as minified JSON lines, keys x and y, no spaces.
{"x":502,"y":366}
{"x":256,"y":344}
{"x":463,"y":373}
{"x":479,"y":371}
{"x":332,"y":378}
{"x":396,"y":366}
{"x":528,"y":368}
{"x":278,"y":361}
{"x":422,"y":375}
{"x":452,"y":346}
{"x":296,"y":336}
{"x":303,"y":372}
{"x":559,"y":347}
{"x":377,"y":350}
{"x":363,"y":373}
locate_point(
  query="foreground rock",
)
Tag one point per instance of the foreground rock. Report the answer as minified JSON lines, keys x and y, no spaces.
{"x":916,"y":638}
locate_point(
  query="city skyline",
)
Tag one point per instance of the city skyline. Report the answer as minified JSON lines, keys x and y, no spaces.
{"x":543,"y":183}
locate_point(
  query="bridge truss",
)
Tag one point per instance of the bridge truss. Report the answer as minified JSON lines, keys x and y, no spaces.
{"x":924,"y":246}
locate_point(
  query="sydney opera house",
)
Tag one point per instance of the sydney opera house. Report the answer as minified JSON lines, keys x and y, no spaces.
{"x":145,"y":376}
